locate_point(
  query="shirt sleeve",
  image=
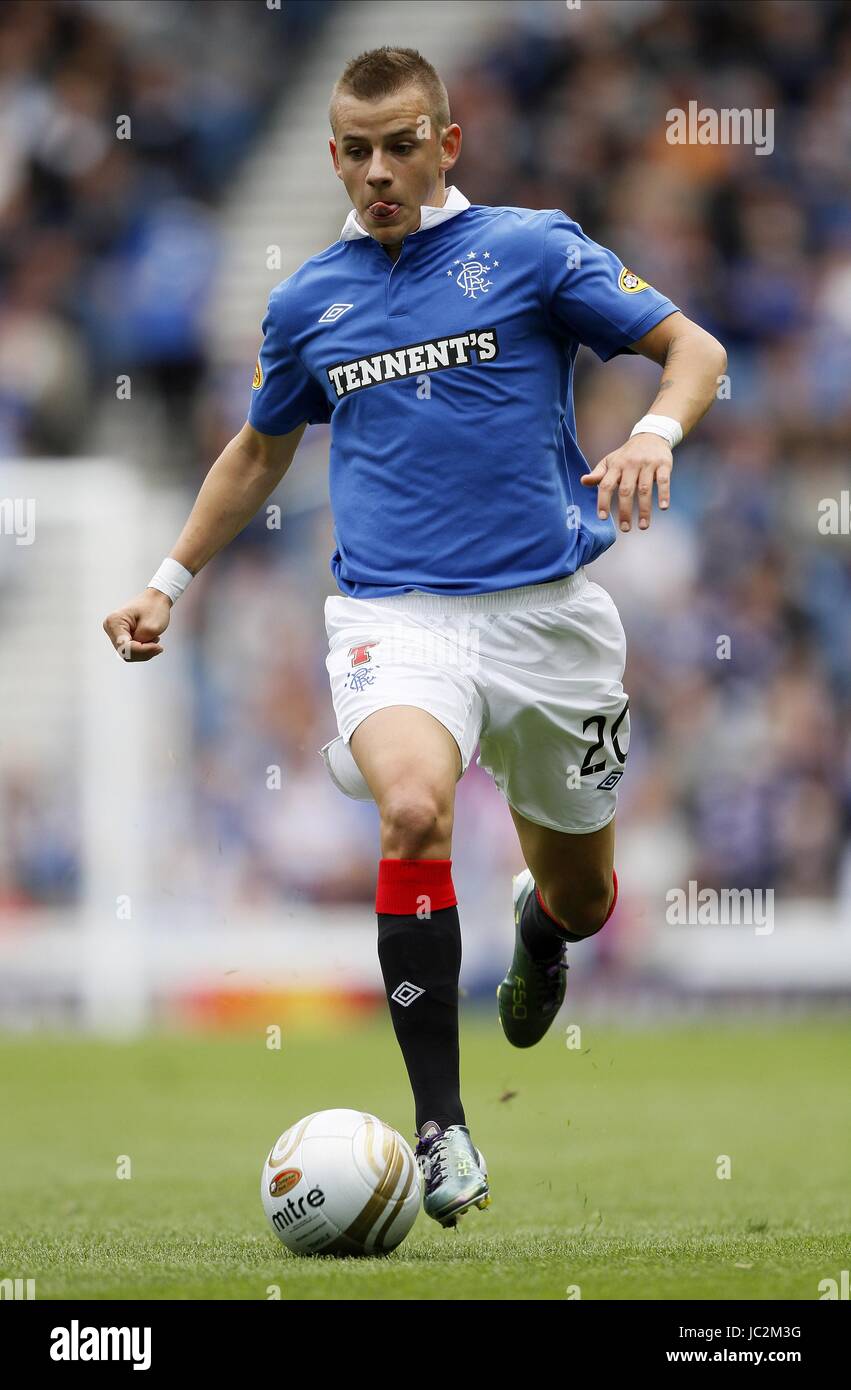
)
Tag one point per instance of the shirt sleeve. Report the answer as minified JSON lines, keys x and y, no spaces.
{"x":283,"y":394}
{"x":590,"y":296}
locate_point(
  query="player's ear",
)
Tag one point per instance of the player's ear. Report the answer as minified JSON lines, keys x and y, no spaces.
{"x":332,"y":145}
{"x":451,"y":144}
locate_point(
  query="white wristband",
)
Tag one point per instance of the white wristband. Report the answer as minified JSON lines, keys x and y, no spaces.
{"x":663,"y":425}
{"x":171,"y":578}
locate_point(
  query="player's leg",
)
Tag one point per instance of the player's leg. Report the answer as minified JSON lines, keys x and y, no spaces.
{"x":568,"y":892}
{"x":411,"y":763}
{"x":574,"y":878}
{"x":556,"y":743}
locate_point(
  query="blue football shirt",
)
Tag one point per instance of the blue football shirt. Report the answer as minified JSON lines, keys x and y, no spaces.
{"x":447,"y":379}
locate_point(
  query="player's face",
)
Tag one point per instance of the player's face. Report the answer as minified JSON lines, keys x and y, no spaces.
{"x":391,"y":159}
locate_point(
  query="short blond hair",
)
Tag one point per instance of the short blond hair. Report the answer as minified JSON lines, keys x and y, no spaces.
{"x":382,"y":71}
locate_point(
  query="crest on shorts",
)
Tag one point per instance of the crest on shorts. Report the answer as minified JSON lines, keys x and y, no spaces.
{"x":360,"y":654}
{"x":361,"y":680}
{"x":258,"y":376}
{"x":362,"y":674}
{"x":631,"y":283}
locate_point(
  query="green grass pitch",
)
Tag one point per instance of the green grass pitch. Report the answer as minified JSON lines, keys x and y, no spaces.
{"x":603,"y":1164}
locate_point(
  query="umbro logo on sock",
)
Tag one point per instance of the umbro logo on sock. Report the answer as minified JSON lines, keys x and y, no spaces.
{"x":406,"y":993}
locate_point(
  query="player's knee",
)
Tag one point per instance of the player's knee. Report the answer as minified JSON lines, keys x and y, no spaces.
{"x":582,"y":912}
{"x":413,"y":823}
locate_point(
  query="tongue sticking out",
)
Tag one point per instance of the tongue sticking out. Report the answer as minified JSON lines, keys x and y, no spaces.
{"x":383,"y":209}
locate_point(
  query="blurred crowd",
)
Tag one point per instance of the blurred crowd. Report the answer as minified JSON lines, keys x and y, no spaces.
{"x":121,"y":127}
{"x":737,"y":604}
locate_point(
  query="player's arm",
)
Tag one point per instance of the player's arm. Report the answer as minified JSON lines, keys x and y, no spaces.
{"x":248,"y":469}
{"x":691,"y":361}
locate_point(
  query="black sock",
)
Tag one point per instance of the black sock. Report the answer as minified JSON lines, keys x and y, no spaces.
{"x":543,"y":937}
{"x":540,"y":935}
{"x":421,"y":961}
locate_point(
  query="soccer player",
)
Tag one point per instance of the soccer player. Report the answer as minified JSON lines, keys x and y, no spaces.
{"x":439,"y":337}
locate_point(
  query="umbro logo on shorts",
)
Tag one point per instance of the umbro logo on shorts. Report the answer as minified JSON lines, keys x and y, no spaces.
{"x":611,"y":780}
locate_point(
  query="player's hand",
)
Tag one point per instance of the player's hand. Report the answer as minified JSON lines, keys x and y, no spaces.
{"x":631,"y":470}
{"x":133,"y":629}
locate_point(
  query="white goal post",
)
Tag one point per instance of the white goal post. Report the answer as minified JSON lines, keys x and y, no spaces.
{"x":87,"y":732}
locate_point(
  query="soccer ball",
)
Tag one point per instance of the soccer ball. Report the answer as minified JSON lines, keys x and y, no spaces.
{"x":341,"y":1182}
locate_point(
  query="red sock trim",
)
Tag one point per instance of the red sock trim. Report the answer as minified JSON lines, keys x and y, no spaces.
{"x":404,"y":883}
{"x":544,"y":908}
{"x":562,"y":925}
{"x":614,"y":899}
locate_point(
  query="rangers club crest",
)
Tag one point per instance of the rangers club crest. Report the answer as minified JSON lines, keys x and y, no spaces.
{"x":472,"y":277}
{"x":363,"y":670}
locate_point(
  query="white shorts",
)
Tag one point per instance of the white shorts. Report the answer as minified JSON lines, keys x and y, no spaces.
{"x":533,"y":675}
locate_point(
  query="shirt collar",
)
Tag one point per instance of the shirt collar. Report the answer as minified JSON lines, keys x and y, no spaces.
{"x":429,"y":216}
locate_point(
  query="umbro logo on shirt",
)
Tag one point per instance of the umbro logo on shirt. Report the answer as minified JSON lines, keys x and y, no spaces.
{"x":335,"y":312}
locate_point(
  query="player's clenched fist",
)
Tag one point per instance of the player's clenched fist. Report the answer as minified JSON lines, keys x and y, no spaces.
{"x":630,"y":471}
{"x":133,"y":629}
